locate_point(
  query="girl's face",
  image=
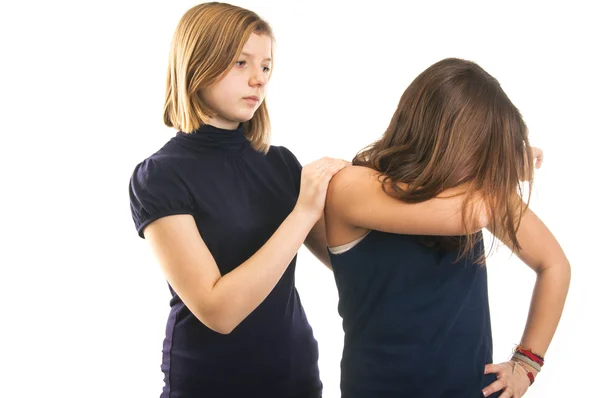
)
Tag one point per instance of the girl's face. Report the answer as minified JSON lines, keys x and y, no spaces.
{"x":240,"y":92}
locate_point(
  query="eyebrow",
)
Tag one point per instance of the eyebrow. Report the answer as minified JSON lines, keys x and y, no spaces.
{"x":250,"y":55}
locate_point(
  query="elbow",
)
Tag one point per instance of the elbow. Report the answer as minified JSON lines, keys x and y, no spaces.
{"x":215,"y":320}
{"x":221,"y":329}
{"x":566,"y":268}
{"x":482,"y":220}
{"x":561,"y":270}
{"x":479,"y":222}
{"x":219,"y":326}
{"x":478,"y":219}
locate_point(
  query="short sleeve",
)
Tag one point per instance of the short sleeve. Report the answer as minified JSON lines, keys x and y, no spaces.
{"x":294,"y":166}
{"x":156,"y":191}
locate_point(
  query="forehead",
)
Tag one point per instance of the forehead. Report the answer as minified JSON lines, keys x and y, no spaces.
{"x":258,"y":46}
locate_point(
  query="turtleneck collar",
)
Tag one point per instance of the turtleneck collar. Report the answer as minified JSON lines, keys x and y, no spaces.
{"x":210,"y":137}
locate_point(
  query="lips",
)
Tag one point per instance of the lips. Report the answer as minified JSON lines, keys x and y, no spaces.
{"x":253,"y":98}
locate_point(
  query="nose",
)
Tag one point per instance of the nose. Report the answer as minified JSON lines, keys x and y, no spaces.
{"x":258,"y":78}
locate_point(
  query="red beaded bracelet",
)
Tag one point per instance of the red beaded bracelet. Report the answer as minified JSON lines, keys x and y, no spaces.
{"x":531,"y":377}
{"x":530,"y":354}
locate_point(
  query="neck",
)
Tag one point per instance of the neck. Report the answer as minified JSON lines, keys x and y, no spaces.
{"x":223,"y":124}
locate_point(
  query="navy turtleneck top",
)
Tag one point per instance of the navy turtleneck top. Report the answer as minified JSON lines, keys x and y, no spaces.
{"x":238,"y":197}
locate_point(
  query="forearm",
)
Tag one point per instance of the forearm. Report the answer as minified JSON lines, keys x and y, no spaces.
{"x":546,"y":307}
{"x":238,"y":293}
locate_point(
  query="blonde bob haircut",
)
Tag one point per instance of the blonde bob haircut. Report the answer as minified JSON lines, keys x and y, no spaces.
{"x":207,"y":42}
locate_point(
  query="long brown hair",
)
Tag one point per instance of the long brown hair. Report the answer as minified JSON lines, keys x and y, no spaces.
{"x":206,"y":44}
{"x":455,"y":126}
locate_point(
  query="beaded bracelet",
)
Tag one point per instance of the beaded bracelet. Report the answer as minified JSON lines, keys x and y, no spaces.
{"x":530,"y":354}
{"x":523,"y":355}
{"x":522,"y":358}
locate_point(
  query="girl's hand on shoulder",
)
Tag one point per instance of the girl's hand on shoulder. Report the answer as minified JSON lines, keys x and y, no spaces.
{"x":314,"y":183}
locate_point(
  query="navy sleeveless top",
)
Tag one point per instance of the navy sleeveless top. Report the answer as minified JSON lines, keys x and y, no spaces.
{"x":238,"y":197}
{"x":416,"y":322}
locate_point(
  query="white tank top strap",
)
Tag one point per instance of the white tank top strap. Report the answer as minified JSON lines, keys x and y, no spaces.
{"x":344,"y":248}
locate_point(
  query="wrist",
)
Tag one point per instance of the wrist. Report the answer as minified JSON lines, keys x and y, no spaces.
{"x":529,"y":361}
{"x":528,"y":367}
{"x":307,"y":215}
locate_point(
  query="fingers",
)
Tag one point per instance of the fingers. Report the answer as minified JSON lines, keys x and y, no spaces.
{"x":507,"y":393}
{"x":494,"y":387}
{"x":339,"y":164}
{"x":492,"y":368}
{"x":510,"y":380}
{"x":328,"y":167}
{"x":501,"y":371}
{"x":322,"y":163}
{"x":314,"y":184}
{"x":538,"y":155}
{"x":328,"y":174}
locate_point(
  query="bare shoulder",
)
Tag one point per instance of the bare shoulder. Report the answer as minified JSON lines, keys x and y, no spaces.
{"x":354,"y":178}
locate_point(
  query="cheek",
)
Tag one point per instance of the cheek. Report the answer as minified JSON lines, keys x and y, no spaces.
{"x":232,"y":84}
{"x":228,"y":95}
{"x":211,"y":96}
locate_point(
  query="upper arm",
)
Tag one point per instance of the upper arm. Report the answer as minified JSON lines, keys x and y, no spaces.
{"x":186,"y":262}
{"x":162,"y":209}
{"x":294,"y":167}
{"x":356,"y":198}
{"x":155,"y":192}
{"x":539,"y":248}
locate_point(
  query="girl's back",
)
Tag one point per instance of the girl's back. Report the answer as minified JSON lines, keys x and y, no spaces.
{"x":416,"y":321}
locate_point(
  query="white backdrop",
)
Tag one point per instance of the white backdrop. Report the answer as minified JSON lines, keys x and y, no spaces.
{"x":83,"y":303}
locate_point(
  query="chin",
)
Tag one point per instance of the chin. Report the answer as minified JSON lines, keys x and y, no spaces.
{"x":244,"y":118}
